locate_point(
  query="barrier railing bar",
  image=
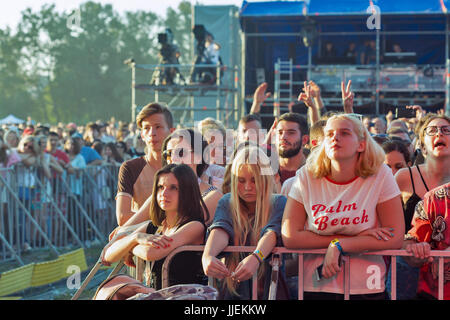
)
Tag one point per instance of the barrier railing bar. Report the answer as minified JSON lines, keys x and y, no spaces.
{"x":255,"y":286}
{"x":10,"y":248}
{"x":32,"y":220}
{"x":300,"y":279}
{"x":58,"y":211}
{"x":441,"y":279}
{"x":83,"y":212}
{"x":346,"y":259}
{"x":393,"y":278}
{"x":91,"y":180}
{"x":274,"y":277}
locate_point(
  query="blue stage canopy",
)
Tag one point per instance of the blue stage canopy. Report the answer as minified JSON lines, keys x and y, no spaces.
{"x":343,"y":7}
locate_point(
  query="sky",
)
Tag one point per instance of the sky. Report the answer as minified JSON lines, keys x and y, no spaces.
{"x":10,"y":10}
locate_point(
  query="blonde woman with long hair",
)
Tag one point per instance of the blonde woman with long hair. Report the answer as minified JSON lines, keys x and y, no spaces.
{"x":345,"y":200}
{"x":250,"y":215}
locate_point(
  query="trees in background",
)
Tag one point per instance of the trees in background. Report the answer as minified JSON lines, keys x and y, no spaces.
{"x":53,"y":73}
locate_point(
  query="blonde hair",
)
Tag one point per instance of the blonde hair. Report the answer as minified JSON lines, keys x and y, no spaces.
{"x":258,"y":164}
{"x":25,"y":140}
{"x":369,"y":160}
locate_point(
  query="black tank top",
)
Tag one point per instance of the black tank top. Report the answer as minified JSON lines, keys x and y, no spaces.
{"x":185,"y":267}
{"x":410,"y":205}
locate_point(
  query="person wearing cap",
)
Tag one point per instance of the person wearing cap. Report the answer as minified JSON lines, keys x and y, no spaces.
{"x":91,"y":157}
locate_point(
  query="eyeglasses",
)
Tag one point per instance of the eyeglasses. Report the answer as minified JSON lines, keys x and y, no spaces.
{"x":433,"y":130}
{"x":179,"y":152}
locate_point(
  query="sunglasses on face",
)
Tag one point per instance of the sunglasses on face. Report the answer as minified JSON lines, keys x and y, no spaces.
{"x":181,"y":152}
{"x":433,"y":130}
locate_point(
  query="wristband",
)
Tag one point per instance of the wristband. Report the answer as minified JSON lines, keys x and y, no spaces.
{"x":259,"y":255}
{"x":337,"y":244}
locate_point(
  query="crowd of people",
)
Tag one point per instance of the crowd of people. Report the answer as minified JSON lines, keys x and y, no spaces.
{"x":36,"y":159}
{"x":338,"y":181}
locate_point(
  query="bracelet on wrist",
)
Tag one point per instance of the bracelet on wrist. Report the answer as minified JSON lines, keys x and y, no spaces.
{"x":256,"y":256}
{"x":259,"y":255}
{"x":336,"y":243}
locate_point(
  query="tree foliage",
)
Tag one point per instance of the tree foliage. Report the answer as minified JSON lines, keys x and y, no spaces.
{"x":53,"y":73}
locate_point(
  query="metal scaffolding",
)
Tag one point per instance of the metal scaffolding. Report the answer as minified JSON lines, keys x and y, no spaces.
{"x":190,"y":102}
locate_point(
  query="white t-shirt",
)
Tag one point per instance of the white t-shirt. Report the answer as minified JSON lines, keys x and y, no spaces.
{"x":213,"y":175}
{"x":345,"y":209}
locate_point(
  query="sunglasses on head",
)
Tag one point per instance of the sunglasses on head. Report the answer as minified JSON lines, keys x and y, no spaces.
{"x":355,"y":115}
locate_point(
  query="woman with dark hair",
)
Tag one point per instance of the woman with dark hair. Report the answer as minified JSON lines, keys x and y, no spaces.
{"x":122,"y":150}
{"x":433,"y":134}
{"x":179,"y":148}
{"x":187,"y":146}
{"x":397,"y":155}
{"x":111,"y":154}
{"x":99,"y":147}
{"x":176,"y":219}
{"x":434,"y":138}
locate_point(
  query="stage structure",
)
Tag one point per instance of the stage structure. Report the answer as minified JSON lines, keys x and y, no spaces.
{"x":191,"y":100}
{"x":400,"y":56}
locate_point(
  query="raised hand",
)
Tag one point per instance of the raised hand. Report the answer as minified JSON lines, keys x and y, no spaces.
{"x":347,"y":97}
{"x":419,"y":110}
{"x":270,"y":135}
{"x":259,"y":96}
{"x":307,"y":95}
{"x":389,"y":116}
{"x":315,"y":90}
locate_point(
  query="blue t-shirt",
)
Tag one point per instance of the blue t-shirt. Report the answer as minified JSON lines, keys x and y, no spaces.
{"x":222,"y":217}
{"x":89,"y":154}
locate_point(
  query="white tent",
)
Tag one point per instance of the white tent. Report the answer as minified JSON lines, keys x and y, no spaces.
{"x":11,"y":120}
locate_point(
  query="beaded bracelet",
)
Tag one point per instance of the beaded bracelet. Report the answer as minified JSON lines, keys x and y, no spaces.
{"x":258,"y":255}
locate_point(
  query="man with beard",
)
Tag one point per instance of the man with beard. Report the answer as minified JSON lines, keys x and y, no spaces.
{"x":291,"y":135}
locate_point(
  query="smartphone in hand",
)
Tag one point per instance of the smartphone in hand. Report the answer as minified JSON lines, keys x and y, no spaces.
{"x":318,"y":272}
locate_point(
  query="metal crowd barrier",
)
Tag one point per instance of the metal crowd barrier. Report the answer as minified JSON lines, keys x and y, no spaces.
{"x":439,"y":254}
{"x":62,"y":211}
